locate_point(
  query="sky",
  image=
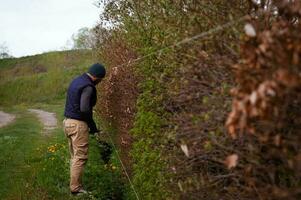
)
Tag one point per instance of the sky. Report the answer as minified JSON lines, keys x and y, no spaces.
{"x":29,"y":27}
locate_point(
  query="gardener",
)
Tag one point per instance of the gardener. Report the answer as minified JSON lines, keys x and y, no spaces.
{"x":81,"y":97}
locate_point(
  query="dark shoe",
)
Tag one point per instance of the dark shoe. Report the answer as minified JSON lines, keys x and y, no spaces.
{"x":79,"y":192}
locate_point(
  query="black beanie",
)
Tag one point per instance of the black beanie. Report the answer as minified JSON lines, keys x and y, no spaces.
{"x":97,"y":70}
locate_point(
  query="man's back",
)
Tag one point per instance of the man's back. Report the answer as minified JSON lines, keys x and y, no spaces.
{"x":74,"y":94}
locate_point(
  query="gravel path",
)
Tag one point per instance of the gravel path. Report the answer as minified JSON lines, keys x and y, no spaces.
{"x":6,"y":118}
{"x":47,"y":118}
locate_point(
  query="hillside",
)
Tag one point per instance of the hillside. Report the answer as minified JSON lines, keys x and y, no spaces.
{"x":40,"y":78}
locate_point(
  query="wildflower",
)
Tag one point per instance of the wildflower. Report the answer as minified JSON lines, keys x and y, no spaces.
{"x":52,"y":149}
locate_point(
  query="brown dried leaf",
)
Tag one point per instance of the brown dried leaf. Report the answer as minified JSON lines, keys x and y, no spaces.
{"x":231,"y":161}
{"x":185,"y":149}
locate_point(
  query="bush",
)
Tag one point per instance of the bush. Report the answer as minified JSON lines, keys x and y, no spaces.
{"x":265,"y":105}
{"x":180,"y":147}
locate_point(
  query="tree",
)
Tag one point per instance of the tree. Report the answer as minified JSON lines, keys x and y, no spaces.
{"x":83,"y":39}
{"x":4,"y":51}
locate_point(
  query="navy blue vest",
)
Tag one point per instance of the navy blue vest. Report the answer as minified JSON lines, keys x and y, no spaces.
{"x":72,"y":107}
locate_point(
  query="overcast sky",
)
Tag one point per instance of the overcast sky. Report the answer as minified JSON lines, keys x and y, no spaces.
{"x":35,"y":26}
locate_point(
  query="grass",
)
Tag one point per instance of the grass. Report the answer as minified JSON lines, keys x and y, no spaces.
{"x":40,"y":78}
{"x":17,"y":160}
{"x":29,"y":64}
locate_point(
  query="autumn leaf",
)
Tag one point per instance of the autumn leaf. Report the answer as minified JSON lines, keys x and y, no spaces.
{"x":250,"y":30}
{"x":231,"y":161}
{"x":185,"y":149}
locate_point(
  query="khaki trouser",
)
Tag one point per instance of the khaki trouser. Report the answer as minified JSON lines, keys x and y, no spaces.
{"x":77,"y":133}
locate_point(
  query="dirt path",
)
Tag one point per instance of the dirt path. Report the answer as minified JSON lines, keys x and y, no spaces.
{"x":6,"y":118}
{"x":48,"y":119}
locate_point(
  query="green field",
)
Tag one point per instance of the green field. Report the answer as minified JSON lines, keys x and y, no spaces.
{"x":41,"y":78}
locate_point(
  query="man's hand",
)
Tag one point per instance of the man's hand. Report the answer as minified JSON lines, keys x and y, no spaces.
{"x":96,"y":134}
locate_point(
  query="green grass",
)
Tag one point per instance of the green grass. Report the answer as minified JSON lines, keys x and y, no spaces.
{"x":18,"y":162}
{"x":41,"y":78}
{"x":28,"y":64}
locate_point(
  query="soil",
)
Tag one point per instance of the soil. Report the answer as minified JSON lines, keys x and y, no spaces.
{"x":6,"y":118}
{"x":48,"y":119}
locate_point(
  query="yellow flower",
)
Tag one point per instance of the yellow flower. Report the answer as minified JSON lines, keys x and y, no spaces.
{"x":51,"y":149}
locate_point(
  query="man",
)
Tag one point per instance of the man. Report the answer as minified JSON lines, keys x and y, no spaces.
{"x":81,"y":97}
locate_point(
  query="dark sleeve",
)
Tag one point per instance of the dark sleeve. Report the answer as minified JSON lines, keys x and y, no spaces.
{"x":86,"y":108}
{"x":86,"y":95}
